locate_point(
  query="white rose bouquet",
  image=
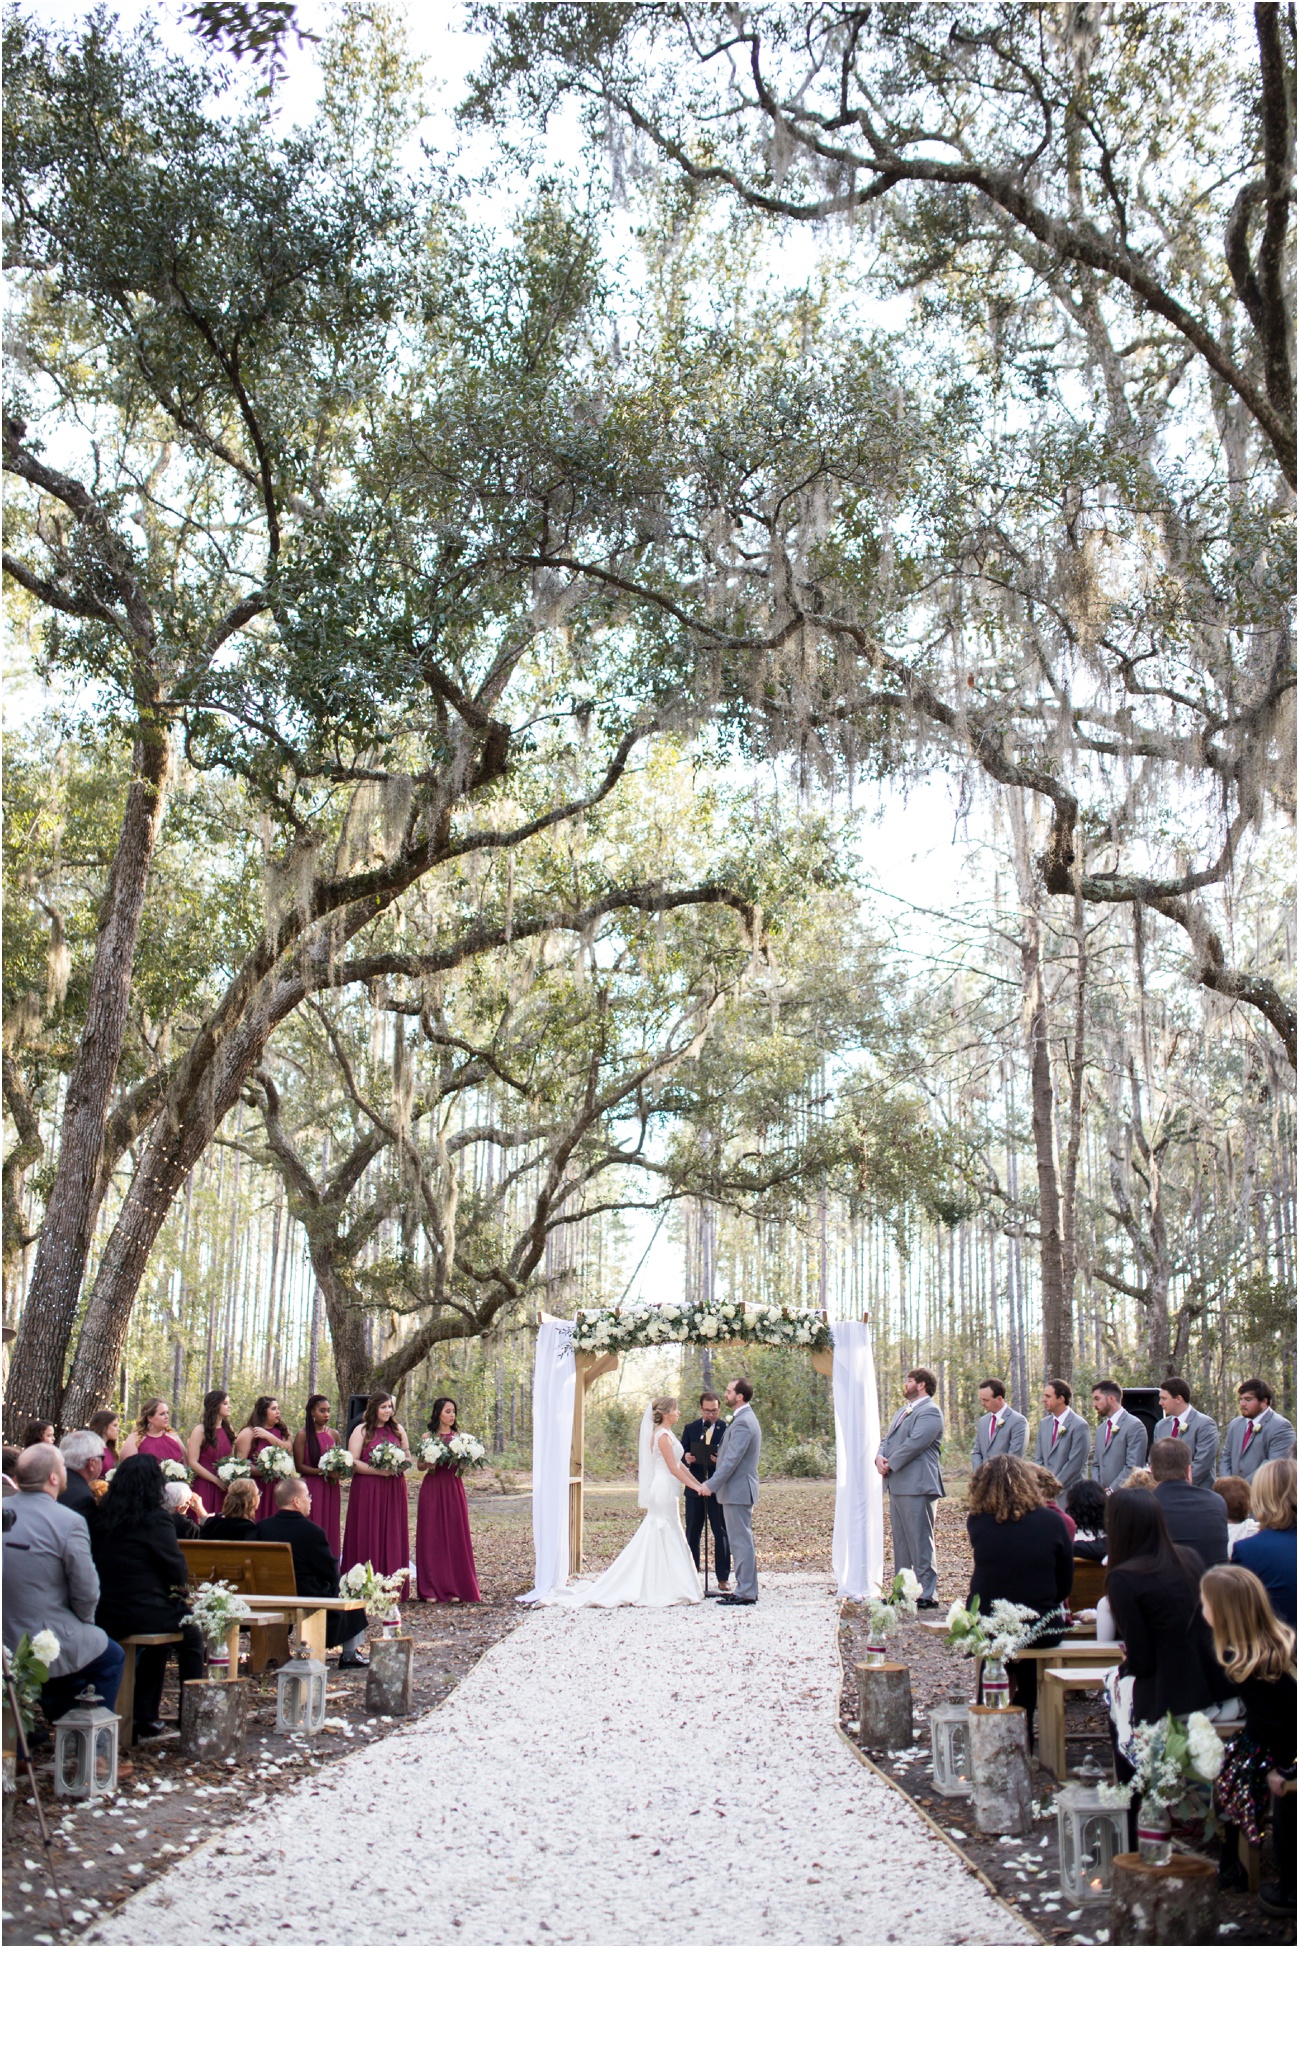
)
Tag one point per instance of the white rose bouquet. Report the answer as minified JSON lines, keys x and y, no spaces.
{"x":388,"y":1457}
{"x":336,"y":1464}
{"x":28,"y":1665}
{"x":214,"y":1609}
{"x":462,"y":1451}
{"x":381,"y":1595}
{"x":173,"y":1469}
{"x":274,"y":1462}
{"x":231,"y":1469}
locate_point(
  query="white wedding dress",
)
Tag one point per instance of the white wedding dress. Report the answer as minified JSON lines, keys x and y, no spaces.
{"x":656,"y":1568}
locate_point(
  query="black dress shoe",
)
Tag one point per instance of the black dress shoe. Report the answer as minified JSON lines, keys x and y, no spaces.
{"x":144,"y":1730}
{"x":735,"y":1600}
{"x":926,"y":1603}
{"x":354,"y":1663}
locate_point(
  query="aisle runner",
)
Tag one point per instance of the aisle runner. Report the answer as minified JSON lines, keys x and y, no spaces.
{"x":605,"y":1777}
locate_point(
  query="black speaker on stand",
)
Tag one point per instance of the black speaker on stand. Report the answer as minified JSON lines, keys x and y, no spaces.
{"x":355,"y":1411}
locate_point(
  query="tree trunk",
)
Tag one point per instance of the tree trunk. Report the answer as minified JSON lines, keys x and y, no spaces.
{"x":1057,"y":1332}
{"x":36,"y":1379}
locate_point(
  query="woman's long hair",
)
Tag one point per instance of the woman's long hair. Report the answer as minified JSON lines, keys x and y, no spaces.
{"x":443,"y":1401}
{"x":1272,"y":1494}
{"x":262,"y":1407}
{"x":370,"y":1419}
{"x":240,"y":1500}
{"x":1137,"y":1537}
{"x":1249,"y":1639}
{"x":312,"y":1434}
{"x":102,"y":1421}
{"x":1005,"y":1488}
{"x":134,"y":1496}
{"x":211,"y":1415}
{"x":148,"y":1409}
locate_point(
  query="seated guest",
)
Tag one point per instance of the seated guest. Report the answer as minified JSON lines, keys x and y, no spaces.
{"x":83,"y":1454}
{"x":1141,"y":1481}
{"x":315,"y":1568}
{"x":1256,"y":1652}
{"x":1085,"y":1501}
{"x":239,"y":1505}
{"x":185,"y":1508}
{"x":1021,"y":1552}
{"x":1195,"y":1519}
{"x":50,"y":1582}
{"x":1240,"y":1522}
{"x":142,"y":1578}
{"x":1051,"y":1490}
{"x":38,"y":1433}
{"x":8,"y":1464}
{"x":1154,"y":1594}
{"x":1270,"y":1554}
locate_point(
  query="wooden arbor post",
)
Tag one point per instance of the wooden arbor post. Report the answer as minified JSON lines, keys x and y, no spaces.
{"x":590,"y":1365}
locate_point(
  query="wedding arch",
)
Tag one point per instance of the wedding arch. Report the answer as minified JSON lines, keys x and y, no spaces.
{"x":573,"y":1355}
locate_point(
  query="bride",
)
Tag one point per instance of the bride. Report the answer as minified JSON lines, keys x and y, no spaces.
{"x":656,"y":1568}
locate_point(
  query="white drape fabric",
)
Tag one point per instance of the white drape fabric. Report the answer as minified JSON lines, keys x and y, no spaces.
{"x":554,"y":1389}
{"x":858,"y":1551}
{"x":645,"y":1457}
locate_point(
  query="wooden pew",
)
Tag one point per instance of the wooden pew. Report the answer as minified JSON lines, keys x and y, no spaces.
{"x":263,"y":1574}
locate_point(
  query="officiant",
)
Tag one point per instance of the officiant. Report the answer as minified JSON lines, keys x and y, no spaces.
{"x":700,"y":1443}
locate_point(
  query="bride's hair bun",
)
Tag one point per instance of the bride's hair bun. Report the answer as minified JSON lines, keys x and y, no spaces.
{"x":661,"y":1407}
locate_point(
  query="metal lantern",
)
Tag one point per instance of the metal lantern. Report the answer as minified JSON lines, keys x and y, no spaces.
{"x":1093,"y":1832}
{"x":300,"y":1697}
{"x":85,"y":1750}
{"x":949,"y":1739}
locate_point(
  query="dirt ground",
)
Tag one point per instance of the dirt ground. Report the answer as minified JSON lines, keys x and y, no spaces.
{"x":166,"y":1806}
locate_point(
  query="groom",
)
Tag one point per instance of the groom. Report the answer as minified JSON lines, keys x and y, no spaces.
{"x":735,"y":1485}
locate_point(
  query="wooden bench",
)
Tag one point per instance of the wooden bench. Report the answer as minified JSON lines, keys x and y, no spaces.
{"x":1088,"y":1583}
{"x":263,"y":1574}
{"x":125,"y":1708}
{"x":1054,"y":1684}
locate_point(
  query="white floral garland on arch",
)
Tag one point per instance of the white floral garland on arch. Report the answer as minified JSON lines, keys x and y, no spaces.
{"x":700,"y":1322}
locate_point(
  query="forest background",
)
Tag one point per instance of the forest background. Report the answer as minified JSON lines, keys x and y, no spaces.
{"x":614,"y":693}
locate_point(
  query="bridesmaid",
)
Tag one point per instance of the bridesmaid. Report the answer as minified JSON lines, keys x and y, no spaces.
{"x":378,"y":1516}
{"x":211,"y":1441}
{"x":153,"y":1434}
{"x":444,"y":1551}
{"x":262,"y":1427}
{"x":309,"y":1446}
{"x":106,"y":1422}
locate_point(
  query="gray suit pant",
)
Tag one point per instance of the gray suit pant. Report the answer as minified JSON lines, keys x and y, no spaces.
{"x":744,"y":1556}
{"x":912,"y":1516}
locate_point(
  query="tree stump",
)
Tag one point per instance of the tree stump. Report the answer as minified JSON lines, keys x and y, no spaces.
{"x":213,"y":1717}
{"x":389,"y":1683}
{"x":999,"y":1773}
{"x":1164,"y":1905}
{"x":884,"y":1706}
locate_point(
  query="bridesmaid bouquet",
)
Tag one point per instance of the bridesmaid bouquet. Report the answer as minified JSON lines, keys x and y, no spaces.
{"x":336,"y":1464}
{"x":173,"y":1469}
{"x":388,"y":1457}
{"x":274,"y":1462}
{"x":461,"y":1451}
{"x":231,"y":1469}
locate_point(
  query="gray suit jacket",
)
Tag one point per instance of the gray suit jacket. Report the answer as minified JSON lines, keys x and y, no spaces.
{"x":1201,"y":1434}
{"x":1067,"y":1457}
{"x":1274,"y":1438}
{"x":1126,"y":1451}
{"x":50,"y":1580}
{"x":735,"y":1478}
{"x":911,"y":1446}
{"x":1011,"y":1437}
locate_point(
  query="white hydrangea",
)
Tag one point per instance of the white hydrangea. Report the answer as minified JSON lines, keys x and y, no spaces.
{"x":46,"y":1647}
{"x":1205,"y":1746}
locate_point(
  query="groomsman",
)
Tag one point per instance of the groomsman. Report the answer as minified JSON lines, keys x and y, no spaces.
{"x":1186,"y":1424}
{"x":1120,"y":1445}
{"x":908,"y":1465}
{"x":1257,"y":1434}
{"x":1002,"y":1431}
{"x":1063,"y":1438}
{"x":700,"y":1443}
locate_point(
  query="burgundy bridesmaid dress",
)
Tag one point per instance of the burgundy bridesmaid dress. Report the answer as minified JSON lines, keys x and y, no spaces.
{"x":161,"y":1447}
{"x":327,"y":1496}
{"x":110,"y":1459}
{"x":266,"y":1505}
{"x":378,"y":1525}
{"x":444,"y":1551}
{"x":210,"y":1495}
